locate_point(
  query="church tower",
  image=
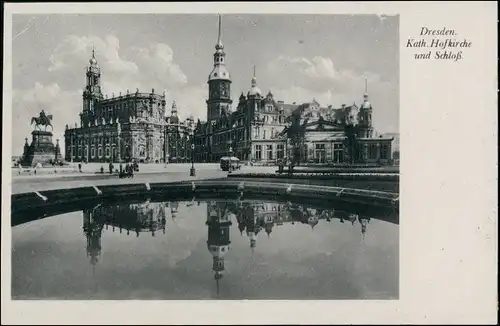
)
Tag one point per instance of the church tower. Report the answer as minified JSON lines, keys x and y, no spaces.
{"x":92,"y":93}
{"x":93,"y":232}
{"x":254,"y":92}
{"x":219,"y":83}
{"x":365,"y":116}
{"x":218,"y":242}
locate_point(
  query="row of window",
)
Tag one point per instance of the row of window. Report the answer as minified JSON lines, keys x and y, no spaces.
{"x":318,"y":152}
{"x":223,"y":138}
{"x":265,"y":133}
{"x":82,"y":152}
{"x":280,"y":152}
{"x":273,"y":119}
{"x":98,"y":140}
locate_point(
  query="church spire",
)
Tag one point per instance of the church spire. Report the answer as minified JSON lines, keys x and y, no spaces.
{"x":366,"y":104}
{"x":174,"y":109}
{"x":93,"y":61}
{"x":254,"y":78}
{"x":254,"y":90}
{"x":219,"y":45}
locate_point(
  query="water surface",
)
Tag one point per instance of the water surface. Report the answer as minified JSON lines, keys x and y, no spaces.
{"x":238,"y":249}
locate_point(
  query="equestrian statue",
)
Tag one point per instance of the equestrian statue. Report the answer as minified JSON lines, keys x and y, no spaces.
{"x":42,"y":120}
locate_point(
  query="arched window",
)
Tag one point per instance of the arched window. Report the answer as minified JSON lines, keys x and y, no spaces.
{"x":92,"y":152}
{"x":99,"y":152}
{"x":107,"y":151}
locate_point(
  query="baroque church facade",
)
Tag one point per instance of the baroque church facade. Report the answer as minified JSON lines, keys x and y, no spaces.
{"x":256,"y":130}
{"x":121,"y":128}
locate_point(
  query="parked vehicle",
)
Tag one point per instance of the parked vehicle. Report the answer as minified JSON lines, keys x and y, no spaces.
{"x":230,"y":163}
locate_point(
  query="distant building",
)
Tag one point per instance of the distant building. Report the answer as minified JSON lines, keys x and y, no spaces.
{"x":179,"y":136}
{"x":123,"y":127}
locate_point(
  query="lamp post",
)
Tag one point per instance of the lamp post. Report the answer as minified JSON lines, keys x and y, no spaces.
{"x":165,"y":147}
{"x":192,"y":171}
{"x":119,"y":131}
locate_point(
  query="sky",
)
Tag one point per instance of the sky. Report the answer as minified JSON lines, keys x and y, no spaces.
{"x":297,"y":57}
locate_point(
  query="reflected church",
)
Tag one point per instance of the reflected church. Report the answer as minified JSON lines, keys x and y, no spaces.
{"x":251,"y":217}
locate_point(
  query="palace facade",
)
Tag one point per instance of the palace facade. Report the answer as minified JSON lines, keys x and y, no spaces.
{"x":257,"y":130}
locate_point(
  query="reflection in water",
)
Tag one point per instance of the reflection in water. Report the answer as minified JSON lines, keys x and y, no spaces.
{"x":251,"y":217}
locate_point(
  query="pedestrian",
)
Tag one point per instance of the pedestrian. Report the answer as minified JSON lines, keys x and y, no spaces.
{"x":110,"y":168}
{"x":80,"y":167}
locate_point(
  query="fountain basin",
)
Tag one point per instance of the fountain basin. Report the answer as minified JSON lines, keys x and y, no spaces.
{"x":222,"y":188}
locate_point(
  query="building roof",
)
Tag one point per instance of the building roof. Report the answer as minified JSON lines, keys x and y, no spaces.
{"x":287,"y":108}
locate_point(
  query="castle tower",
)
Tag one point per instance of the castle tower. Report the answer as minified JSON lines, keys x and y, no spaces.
{"x":254,"y":91}
{"x":219,"y":83}
{"x":174,"y":118}
{"x":93,"y":232}
{"x":365,"y":115}
{"x":218,"y":239}
{"x":251,"y":228}
{"x":92,"y":92}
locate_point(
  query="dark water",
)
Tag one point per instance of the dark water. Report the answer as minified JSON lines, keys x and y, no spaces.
{"x":206,"y":250}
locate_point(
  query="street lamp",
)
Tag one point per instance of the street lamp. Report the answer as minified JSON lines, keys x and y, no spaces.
{"x":71,"y":146}
{"x":119,"y":131}
{"x":192,"y":172}
{"x":165,"y":143}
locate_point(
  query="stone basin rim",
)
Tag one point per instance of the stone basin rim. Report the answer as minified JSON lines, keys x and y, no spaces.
{"x":44,"y":198}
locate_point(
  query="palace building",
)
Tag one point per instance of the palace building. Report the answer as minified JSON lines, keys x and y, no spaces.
{"x":124,"y":127}
{"x":257,"y":130}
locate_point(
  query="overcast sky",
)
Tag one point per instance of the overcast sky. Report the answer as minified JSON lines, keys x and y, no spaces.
{"x":298,"y":58}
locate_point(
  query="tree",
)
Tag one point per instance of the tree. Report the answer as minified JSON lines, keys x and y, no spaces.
{"x":351,"y":146}
{"x":295,"y":133}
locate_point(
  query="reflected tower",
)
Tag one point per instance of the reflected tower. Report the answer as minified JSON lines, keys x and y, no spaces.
{"x":93,"y":232}
{"x":218,"y":238}
{"x":363,"y":220}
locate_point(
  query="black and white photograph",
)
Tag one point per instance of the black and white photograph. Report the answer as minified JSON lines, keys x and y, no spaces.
{"x":205,"y":157}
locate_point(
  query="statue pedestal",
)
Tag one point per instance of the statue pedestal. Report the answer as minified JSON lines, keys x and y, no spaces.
{"x":41,"y":150}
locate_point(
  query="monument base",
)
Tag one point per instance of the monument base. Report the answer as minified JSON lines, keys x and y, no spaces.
{"x":41,"y":150}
